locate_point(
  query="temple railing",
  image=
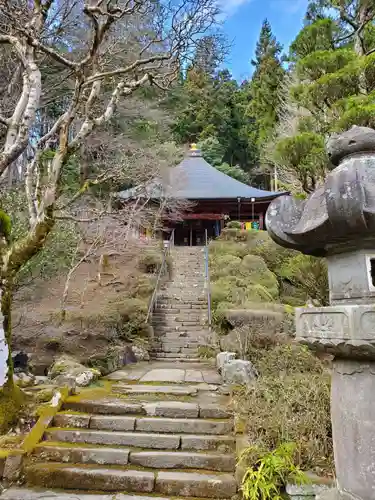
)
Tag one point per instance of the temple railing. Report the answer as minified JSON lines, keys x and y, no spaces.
{"x":162,"y":269}
{"x":207,"y":280}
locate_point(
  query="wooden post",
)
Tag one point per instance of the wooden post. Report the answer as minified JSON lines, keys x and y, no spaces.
{"x":191,"y":234}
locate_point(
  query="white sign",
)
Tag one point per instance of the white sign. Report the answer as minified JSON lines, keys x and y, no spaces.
{"x":4,"y":352}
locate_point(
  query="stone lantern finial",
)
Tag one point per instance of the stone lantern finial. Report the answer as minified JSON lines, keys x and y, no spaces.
{"x":338,"y":221}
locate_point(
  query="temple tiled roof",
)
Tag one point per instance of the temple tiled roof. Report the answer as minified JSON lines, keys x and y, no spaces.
{"x":195,"y":179}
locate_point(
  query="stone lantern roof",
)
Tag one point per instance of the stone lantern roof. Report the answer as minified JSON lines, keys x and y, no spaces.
{"x":339,"y":213}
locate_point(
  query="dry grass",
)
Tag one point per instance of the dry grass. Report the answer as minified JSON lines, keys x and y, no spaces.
{"x":289,"y":402}
{"x":97,"y":315}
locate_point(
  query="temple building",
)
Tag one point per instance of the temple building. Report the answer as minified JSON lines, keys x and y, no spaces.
{"x":212,"y":199}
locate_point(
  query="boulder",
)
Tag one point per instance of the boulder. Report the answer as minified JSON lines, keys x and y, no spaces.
{"x":310,"y":492}
{"x":238,"y":372}
{"x":65,"y":370}
{"x":141,"y":353}
{"x":222,"y":358}
{"x":113,"y":359}
{"x":24,"y":379}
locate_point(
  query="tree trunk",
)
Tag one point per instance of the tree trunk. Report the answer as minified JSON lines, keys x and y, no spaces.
{"x":359,"y":48}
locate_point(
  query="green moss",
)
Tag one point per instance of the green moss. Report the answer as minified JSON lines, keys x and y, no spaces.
{"x":5,"y":226}
{"x":11,"y":402}
{"x":46,"y":415}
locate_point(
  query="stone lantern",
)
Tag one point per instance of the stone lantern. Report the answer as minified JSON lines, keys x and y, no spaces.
{"x":338,"y":222}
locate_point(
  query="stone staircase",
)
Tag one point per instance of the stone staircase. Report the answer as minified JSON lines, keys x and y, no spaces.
{"x":139,"y":441}
{"x":180,"y":318}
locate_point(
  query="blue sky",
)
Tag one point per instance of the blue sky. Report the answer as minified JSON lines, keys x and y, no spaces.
{"x":243,"y":22}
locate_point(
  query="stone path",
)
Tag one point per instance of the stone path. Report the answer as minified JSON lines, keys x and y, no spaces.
{"x":153,"y":431}
{"x":180,"y":319}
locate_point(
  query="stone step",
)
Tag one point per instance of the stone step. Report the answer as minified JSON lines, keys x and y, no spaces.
{"x":50,"y":475}
{"x":142,"y":439}
{"x":114,"y":438}
{"x":172,"y":333}
{"x":175,"y":355}
{"x":107,"y":406}
{"x":15,"y":493}
{"x":175,"y":350}
{"x":179,"y":322}
{"x":137,"y":389}
{"x":145,"y":424}
{"x":181,"y":303}
{"x":176,"y":359}
{"x":61,"y":452}
{"x":94,"y":478}
{"x":182,"y":331}
{"x":178,"y":317}
{"x":97,"y":422}
{"x":180,"y":328}
{"x":196,"y":485}
{"x":177,"y":342}
{"x":183,"y":460}
{"x":174,"y":347}
{"x":168,"y":409}
{"x":179,"y":306}
{"x":184,"y":426}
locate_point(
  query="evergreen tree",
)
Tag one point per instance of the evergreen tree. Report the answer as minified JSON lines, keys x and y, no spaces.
{"x":265,"y":83}
{"x":333,"y":59}
{"x":211,"y":111}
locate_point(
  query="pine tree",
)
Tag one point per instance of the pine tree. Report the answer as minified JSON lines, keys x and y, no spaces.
{"x":332,"y":61}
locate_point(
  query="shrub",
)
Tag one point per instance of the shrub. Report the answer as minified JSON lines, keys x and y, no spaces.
{"x":219,"y":247}
{"x":234,"y":224}
{"x":279,"y":359}
{"x":287,"y":405}
{"x":273,"y":254}
{"x":225,"y":265}
{"x":150,"y":261}
{"x":128,"y":316}
{"x":310,"y":275}
{"x":267,"y":478}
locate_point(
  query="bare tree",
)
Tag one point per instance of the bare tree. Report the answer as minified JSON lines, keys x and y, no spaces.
{"x":67,"y":79}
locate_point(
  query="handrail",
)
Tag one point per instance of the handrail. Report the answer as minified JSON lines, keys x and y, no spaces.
{"x":207,"y":280}
{"x":167,"y":250}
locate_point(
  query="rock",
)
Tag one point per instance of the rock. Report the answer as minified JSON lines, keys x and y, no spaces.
{"x":115,"y":358}
{"x":12,"y":468}
{"x":85,"y":378}
{"x":39,"y":380}
{"x":222,"y":358}
{"x":308,"y":491}
{"x":68,"y":371}
{"x":239,"y":372}
{"x":265,"y":323}
{"x":141,"y":353}
{"x":20,"y":361}
{"x":24,"y":379}
{"x":45,"y":395}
